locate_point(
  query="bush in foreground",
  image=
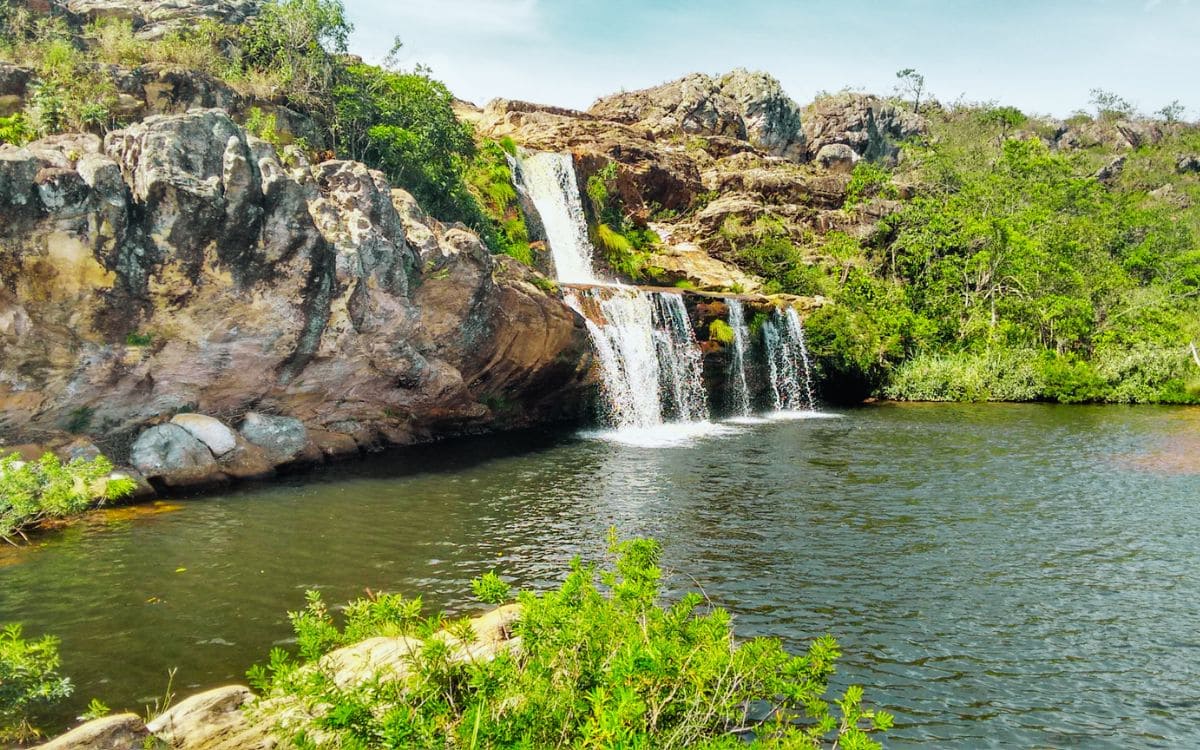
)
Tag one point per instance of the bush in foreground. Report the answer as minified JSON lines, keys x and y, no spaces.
{"x":29,"y":680}
{"x":601,"y":663}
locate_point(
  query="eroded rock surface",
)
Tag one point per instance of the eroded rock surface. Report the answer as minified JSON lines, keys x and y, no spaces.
{"x":180,"y":266}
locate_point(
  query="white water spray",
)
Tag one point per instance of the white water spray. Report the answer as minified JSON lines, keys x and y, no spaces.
{"x":549,"y":180}
{"x":788,"y":367}
{"x":739,"y":389}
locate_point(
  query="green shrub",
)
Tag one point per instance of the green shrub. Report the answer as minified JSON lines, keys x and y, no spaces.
{"x":16,"y":130}
{"x":602,"y":663}
{"x":29,"y":680}
{"x":36,"y":491}
{"x":490,"y":179}
{"x":720,"y":332}
{"x":867,"y":181}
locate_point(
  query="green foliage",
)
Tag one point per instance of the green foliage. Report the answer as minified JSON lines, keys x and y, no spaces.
{"x":490,"y":589}
{"x":489,"y":176}
{"x":720,"y":332}
{"x":138,"y":338}
{"x":868,"y":180}
{"x":1110,"y":106}
{"x":602,"y":663}
{"x":96,"y":709}
{"x":1016,"y":275}
{"x":296,"y":41}
{"x":626,"y":245}
{"x":16,"y":130}
{"x":36,"y":491}
{"x":29,"y":681}
{"x":262,"y":126}
{"x":404,"y":124}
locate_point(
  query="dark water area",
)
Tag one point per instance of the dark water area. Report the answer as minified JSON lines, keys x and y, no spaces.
{"x":997,"y":575}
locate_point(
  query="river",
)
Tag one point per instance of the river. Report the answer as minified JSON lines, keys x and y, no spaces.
{"x":997,"y":575}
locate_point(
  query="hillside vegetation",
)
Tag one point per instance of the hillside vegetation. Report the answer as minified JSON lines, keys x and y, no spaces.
{"x":1010,"y":257}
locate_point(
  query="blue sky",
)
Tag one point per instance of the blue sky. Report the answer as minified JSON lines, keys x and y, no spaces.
{"x":1041,"y":55}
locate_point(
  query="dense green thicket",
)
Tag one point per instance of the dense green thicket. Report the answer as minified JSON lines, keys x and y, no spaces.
{"x":36,"y":491}
{"x":29,"y":681}
{"x":1014,"y":274}
{"x":601,"y":664}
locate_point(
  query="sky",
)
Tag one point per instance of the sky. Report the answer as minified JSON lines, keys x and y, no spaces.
{"x":1043,"y":56}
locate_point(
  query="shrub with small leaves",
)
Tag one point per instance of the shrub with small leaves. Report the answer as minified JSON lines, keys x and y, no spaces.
{"x":602,"y":662}
{"x":29,"y":680}
{"x":36,"y":491}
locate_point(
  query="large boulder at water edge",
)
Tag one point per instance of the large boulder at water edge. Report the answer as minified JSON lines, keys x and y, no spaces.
{"x":180,"y":266}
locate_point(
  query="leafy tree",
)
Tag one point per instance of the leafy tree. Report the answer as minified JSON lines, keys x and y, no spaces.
{"x":911,"y":83}
{"x":1173,"y":112}
{"x":1110,"y":105}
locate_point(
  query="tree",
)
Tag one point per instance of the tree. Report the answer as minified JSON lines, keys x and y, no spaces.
{"x":913,"y":84}
{"x":1003,"y":118}
{"x":1110,"y":105}
{"x":1172,"y":112}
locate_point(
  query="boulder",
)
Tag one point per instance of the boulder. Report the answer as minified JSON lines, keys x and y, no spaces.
{"x":213,"y":719}
{"x":870,"y":126}
{"x":14,"y":81}
{"x":181,"y":267}
{"x":837,"y":157}
{"x":216,"y":436}
{"x":283,"y":439}
{"x":1188,"y":164}
{"x":170,"y":453}
{"x":119,"y":732}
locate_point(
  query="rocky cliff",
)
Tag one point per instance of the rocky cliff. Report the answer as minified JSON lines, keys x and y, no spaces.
{"x":181,"y":267}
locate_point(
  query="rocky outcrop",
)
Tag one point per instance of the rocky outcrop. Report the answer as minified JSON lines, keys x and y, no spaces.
{"x":741,"y":104}
{"x":871,"y":127}
{"x":154,"y":19}
{"x":234,"y":718}
{"x":652,"y":173}
{"x":1120,"y":134}
{"x":180,"y":267}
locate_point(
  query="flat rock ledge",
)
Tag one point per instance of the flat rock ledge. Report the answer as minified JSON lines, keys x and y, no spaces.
{"x":234,"y":718}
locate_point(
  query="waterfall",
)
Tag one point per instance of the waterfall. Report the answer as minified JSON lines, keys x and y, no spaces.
{"x":679,"y":358}
{"x":739,"y":390}
{"x":549,"y":180}
{"x":649,"y":357}
{"x":788,"y":367}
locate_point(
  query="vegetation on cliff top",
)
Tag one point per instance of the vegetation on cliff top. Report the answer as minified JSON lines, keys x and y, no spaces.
{"x":1015,"y":273}
{"x":602,"y":663}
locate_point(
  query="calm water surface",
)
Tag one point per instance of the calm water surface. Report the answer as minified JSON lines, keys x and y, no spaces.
{"x":997,"y":575}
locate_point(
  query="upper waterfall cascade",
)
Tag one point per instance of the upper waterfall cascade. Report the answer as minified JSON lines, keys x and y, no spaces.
{"x":549,"y":180}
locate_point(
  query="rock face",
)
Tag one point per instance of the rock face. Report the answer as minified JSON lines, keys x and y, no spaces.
{"x":180,"y":266}
{"x":870,"y":126}
{"x":740,"y":104}
{"x":158,"y":17}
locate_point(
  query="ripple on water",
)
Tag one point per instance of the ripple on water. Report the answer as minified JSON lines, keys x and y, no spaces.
{"x":994,"y":574}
